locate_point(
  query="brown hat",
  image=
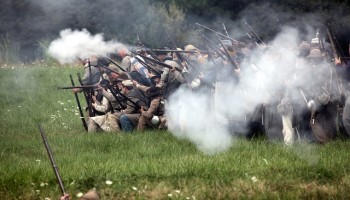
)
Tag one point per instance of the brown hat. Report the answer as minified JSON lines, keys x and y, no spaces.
{"x":123,"y":76}
{"x":190,"y":47}
{"x":91,"y":195}
{"x":112,"y":68}
{"x":315,"y":53}
{"x":304,"y":45}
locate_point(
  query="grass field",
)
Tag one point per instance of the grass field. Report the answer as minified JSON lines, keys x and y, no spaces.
{"x":149,"y":165}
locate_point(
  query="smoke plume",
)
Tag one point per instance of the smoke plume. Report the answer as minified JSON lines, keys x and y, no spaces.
{"x":73,"y":44}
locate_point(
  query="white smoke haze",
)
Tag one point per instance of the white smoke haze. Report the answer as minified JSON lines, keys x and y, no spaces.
{"x":205,"y":120}
{"x":191,"y":118}
{"x":73,"y":44}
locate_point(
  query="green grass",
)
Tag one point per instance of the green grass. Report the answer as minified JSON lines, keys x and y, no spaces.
{"x":149,"y":165}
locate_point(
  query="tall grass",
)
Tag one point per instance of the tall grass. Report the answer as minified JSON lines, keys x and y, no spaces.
{"x":147,"y":165}
{"x":9,"y":50}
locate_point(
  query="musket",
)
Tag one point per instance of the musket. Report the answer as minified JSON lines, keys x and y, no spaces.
{"x":145,"y":64}
{"x":179,"y":51}
{"x":147,"y":49}
{"x":158,"y":62}
{"x":229,"y":38}
{"x":223,"y":25}
{"x":88,"y":97}
{"x":116,"y":64}
{"x":216,"y":49}
{"x":74,"y":87}
{"x":232,"y":61}
{"x":256,"y":35}
{"x":79,"y":106}
{"x":335,"y":52}
{"x":115,"y":96}
{"x":53,"y":162}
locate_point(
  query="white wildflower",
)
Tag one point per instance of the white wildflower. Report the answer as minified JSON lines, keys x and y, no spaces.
{"x":19,"y":106}
{"x":254,"y":179}
{"x":109,"y":182}
{"x":170,"y":195}
{"x":42,"y":184}
{"x":47,"y":198}
{"x":80,"y":194}
{"x":177,"y":191}
{"x":134,"y":188}
{"x":188,"y":198}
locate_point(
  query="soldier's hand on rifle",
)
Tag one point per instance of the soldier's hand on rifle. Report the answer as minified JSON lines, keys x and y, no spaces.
{"x":76,"y":90}
{"x":142,"y":110}
{"x":337,"y":61}
{"x":93,"y":97}
{"x":65,"y":197}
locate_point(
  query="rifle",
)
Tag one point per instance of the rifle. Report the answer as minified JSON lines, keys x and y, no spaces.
{"x":88,"y":98}
{"x":223,"y":25}
{"x":255,"y":34}
{"x":232,"y":61}
{"x":73,"y":87}
{"x":158,"y":62}
{"x":225,"y":36}
{"x":145,"y":64}
{"x":147,"y":49}
{"x":179,"y":51}
{"x":53,"y":163}
{"x":332,"y":40}
{"x":79,"y":106}
{"x":115,"y":63}
{"x":213,"y":45}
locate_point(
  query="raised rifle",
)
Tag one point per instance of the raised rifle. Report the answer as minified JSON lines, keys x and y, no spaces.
{"x":232,"y":61}
{"x":147,"y":49}
{"x":333,"y":40}
{"x":178,"y":51}
{"x":219,"y":52}
{"x":258,"y":41}
{"x":145,"y":64}
{"x":225,"y":36}
{"x":52,"y":160}
{"x":79,"y":106}
{"x":115,"y":63}
{"x":158,"y":62}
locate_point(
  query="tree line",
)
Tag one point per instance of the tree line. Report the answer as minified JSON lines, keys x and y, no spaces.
{"x":27,"y":26}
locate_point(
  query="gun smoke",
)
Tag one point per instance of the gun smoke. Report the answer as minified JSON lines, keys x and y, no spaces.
{"x":74,"y":44}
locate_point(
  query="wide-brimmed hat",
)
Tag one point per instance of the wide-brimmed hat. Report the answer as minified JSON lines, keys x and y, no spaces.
{"x":315,"y":53}
{"x":127,"y":83}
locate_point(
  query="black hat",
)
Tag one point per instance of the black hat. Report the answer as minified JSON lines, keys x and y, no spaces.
{"x":153,"y":91}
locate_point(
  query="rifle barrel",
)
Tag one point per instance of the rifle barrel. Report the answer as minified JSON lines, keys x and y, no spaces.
{"x":53,"y":162}
{"x":73,"y":87}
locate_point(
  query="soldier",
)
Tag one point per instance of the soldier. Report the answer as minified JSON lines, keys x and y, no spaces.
{"x":130,"y":115}
{"x":323,"y":107}
{"x":154,"y":94}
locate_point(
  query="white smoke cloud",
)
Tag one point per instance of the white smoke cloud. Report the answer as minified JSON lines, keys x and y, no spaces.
{"x":73,"y":44}
{"x":205,"y":118}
